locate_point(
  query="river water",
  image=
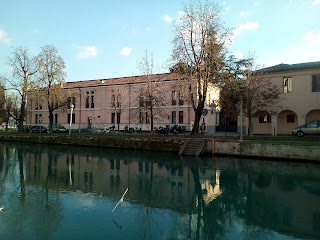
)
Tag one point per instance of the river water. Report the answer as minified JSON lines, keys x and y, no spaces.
{"x":63,"y":192}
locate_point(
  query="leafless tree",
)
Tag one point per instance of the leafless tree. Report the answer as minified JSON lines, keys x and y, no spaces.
{"x":256,"y":89}
{"x":199,"y":45}
{"x":119,"y":102}
{"x":151,"y":96}
{"x":49,"y":86}
{"x":23,"y":68}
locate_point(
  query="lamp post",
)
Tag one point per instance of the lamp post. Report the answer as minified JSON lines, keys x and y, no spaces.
{"x":241,"y":118}
{"x":40,"y":121}
{"x":71,"y":111}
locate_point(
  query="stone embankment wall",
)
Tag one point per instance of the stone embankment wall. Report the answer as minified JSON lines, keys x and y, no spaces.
{"x":135,"y":143}
{"x":276,"y":150}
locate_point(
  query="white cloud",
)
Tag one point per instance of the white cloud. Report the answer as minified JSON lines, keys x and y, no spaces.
{"x":244,"y":14}
{"x":85,"y":52}
{"x":315,"y":2}
{"x":312,"y":37}
{"x":4,"y":37}
{"x":36,"y":30}
{"x":167,"y":18}
{"x":126,"y":51}
{"x":247,"y":26}
{"x":306,"y":50}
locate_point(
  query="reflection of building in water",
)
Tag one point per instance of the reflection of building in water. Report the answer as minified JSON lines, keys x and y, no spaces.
{"x":274,"y":201}
{"x":212,"y":188}
{"x":158,"y":184}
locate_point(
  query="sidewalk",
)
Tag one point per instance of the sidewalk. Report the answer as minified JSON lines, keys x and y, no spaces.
{"x":222,"y":134}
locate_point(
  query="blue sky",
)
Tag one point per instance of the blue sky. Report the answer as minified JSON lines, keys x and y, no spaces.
{"x":105,"y":39}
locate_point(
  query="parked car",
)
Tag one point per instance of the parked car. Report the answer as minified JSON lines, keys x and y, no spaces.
{"x":309,"y":128}
{"x":27,"y":128}
{"x":128,"y":129}
{"x":58,"y":128}
{"x":38,"y":129}
{"x":162,"y":130}
{"x":175,"y":129}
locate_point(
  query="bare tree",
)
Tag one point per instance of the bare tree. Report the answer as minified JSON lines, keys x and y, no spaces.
{"x":257,"y":90}
{"x":12,"y":108}
{"x":260,"y":94}
{"x":51,"y":78}
{"x":199,"y":44}
{"x":119,"y":102}
{"x":151,"y":96}
{"x":23,"y":67}
{"x":2,"y":104}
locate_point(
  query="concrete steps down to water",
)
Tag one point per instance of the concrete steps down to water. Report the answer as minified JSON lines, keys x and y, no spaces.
{"x":193,"y":147}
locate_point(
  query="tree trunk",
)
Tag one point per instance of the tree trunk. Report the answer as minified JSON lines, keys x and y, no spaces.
{"x":198,"y":114}
{"x":196,"y":124}
{"x":22,"y":115}
{"x":250,"y":128}
{"x":50,"y":119}
{"x":151,"y":120}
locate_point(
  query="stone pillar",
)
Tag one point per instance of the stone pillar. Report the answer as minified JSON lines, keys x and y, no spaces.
{"x":274,"y":125}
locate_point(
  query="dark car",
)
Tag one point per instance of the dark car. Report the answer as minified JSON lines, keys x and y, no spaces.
{"x":39,"y":129}
{"x":310,"y":128}
{"x":162,"y":130}
{"x":58,"y":128}
{"x":27,"y":128}
{"x":178,"y":129}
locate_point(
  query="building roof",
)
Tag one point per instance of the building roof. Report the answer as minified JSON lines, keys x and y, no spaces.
{"x":122,"y":80}
{"x":291,"y":67}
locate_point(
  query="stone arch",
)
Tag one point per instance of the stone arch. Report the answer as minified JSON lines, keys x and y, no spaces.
{"x":313,"y":115}
{"x":287,"y":120}
{"x":261,"y":122}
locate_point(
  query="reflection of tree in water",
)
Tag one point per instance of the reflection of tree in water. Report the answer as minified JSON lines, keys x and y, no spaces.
{"x":215,"y":217}
{"x":287,"y":184}
{"x":34,"y":209}
{"x":262,"y":180}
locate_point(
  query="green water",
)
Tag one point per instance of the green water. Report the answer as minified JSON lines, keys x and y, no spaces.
{"x":58,"y":192}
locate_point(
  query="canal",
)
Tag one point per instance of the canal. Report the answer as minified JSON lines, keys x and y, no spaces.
{"x":63,"y":192}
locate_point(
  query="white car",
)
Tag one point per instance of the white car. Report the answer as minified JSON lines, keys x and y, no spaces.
{"x":310,"y":128}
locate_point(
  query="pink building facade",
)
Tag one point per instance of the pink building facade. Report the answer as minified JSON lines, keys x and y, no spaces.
{"x":102,"y":103}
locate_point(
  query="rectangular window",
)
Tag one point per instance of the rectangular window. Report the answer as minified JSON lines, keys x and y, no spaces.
{"x":290,"y":118}
{"x":173,"y":117}
{"x":92,"y":101}
{"x":180,"y":117}
{"x":147,"y":118}
{"x":174,"y":98}
{"x":180,"y":99}
{"x":119,"y":100}
{"x":113,"y":118}
{"x":113,"y":100}
{"x":73,"y":118}
{"x":36,"y":119}
{"x":87,"y":101}
{"x":118,"y":117}
{"x":40,"y":118}
{"x":316,"y":83}
{"x":287,"y":85}
{"x":141,"y":101}
{"x":55,"y":118}
{"x":265,"y":119}
{"x":72,"y":100}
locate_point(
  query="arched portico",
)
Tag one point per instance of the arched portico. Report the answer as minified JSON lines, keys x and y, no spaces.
{"x":287,"y":120}
{"x":313,"y":115}
{"x":261,"y":122}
